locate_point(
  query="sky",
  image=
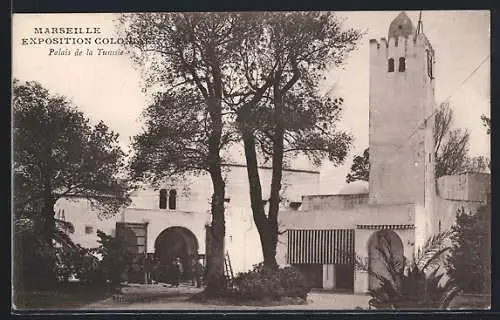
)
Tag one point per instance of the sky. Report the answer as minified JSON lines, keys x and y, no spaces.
{"x":109,"y":87}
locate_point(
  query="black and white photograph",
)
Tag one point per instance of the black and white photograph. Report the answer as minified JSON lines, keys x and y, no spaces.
{"x":254,"y":160}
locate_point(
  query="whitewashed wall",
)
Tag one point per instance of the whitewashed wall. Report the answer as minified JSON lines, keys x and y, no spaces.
{"x":192,"y":212}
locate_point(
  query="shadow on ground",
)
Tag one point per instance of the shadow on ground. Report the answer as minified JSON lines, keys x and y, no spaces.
{"x":67,"y":296}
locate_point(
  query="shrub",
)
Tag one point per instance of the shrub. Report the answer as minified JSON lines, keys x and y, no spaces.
{"x":88,"y":268}
{"x":116,"y":258}
{"x":271,"y":283}
{"x":65,"y":262}
{"x":470,"y":261}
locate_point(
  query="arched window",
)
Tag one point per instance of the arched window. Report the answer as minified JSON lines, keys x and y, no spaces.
{"x":172,"y":195}
{"x":163,"y":199}
{"x":402,"y":64}
{"x":391,"y":65}
{"x":439,"y":226}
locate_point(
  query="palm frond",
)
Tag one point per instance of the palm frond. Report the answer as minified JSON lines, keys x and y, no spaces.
{"x":436,"y":239}
{"x":436,"y":256}
{"x":62,"y":238}
{"x":417,"y":283}
{"x":65,"y":225}
{"x":430,"y":249}
{"x":451,"y":291}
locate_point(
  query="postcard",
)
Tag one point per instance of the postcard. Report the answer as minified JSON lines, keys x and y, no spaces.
{"x":251,"y":161}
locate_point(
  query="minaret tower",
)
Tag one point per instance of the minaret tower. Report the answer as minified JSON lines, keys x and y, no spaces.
{"x":401,"y":121}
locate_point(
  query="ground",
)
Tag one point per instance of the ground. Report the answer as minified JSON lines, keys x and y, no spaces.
{"x":179,"y":300}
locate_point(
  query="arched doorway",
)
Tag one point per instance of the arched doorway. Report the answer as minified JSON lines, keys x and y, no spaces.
{"x":385,"y":250}
{"x":176,"y":242}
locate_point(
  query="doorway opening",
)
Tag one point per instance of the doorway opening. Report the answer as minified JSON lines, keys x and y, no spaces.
{"x":385,"y":248}
{"x":172,"y":243}
{"x":344,"y":277}
{"x":313,"y":274}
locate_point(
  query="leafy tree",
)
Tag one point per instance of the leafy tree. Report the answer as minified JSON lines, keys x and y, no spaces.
{"x":480,"y":163}
{"x":287,"y":63}
{"x":190,"y":58}
{"x":58,"y":154}
{"x":360,"y":169}
{"x":227,"y":67}
{"x":470,"y":261}
{"x":487,"y":123}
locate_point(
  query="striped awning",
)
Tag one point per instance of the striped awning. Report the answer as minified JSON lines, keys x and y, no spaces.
{"x":320,"y":246}
{"x":385,"y":226}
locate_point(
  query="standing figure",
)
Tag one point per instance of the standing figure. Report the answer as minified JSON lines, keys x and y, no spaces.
{"x":198,"y":271}
{"x":156,"y":273}
{"x":177,"y":271}
{"x":148,"y":268}
{"x":193,"y":273}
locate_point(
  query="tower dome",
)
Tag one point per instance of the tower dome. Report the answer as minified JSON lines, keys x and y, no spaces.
{"x":355,"y":187}
{"x":401,"y":26}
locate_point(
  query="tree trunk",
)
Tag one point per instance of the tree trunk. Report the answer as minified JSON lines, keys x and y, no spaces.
{"x":259,"y":214}
{"x":275,"y":199}
{"x":45,"y":222}
{"x":216,"y":282}
{"x":277,"y":175}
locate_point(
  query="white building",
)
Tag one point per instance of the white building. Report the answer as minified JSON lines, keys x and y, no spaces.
{"x":191,"y":212}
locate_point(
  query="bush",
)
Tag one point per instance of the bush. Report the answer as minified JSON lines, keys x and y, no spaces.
{"x":41,"y":266}
{"x":271,"y":283}
{"x":470,"y":261}
{"x":65,"y":263}
{"x":88,"y":268}
{"x":84,"y":264}
{"x":116,"y":259}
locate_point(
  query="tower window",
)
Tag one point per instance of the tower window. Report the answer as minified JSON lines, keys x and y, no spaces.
{"x":172,"y":199}
{"x":60,"y":215}
{"x":402,"y":65}
{"x":89,"y":229}
{"x":439,"y":226}
{"x":391,"y":65}
{"x":163,"y":199}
